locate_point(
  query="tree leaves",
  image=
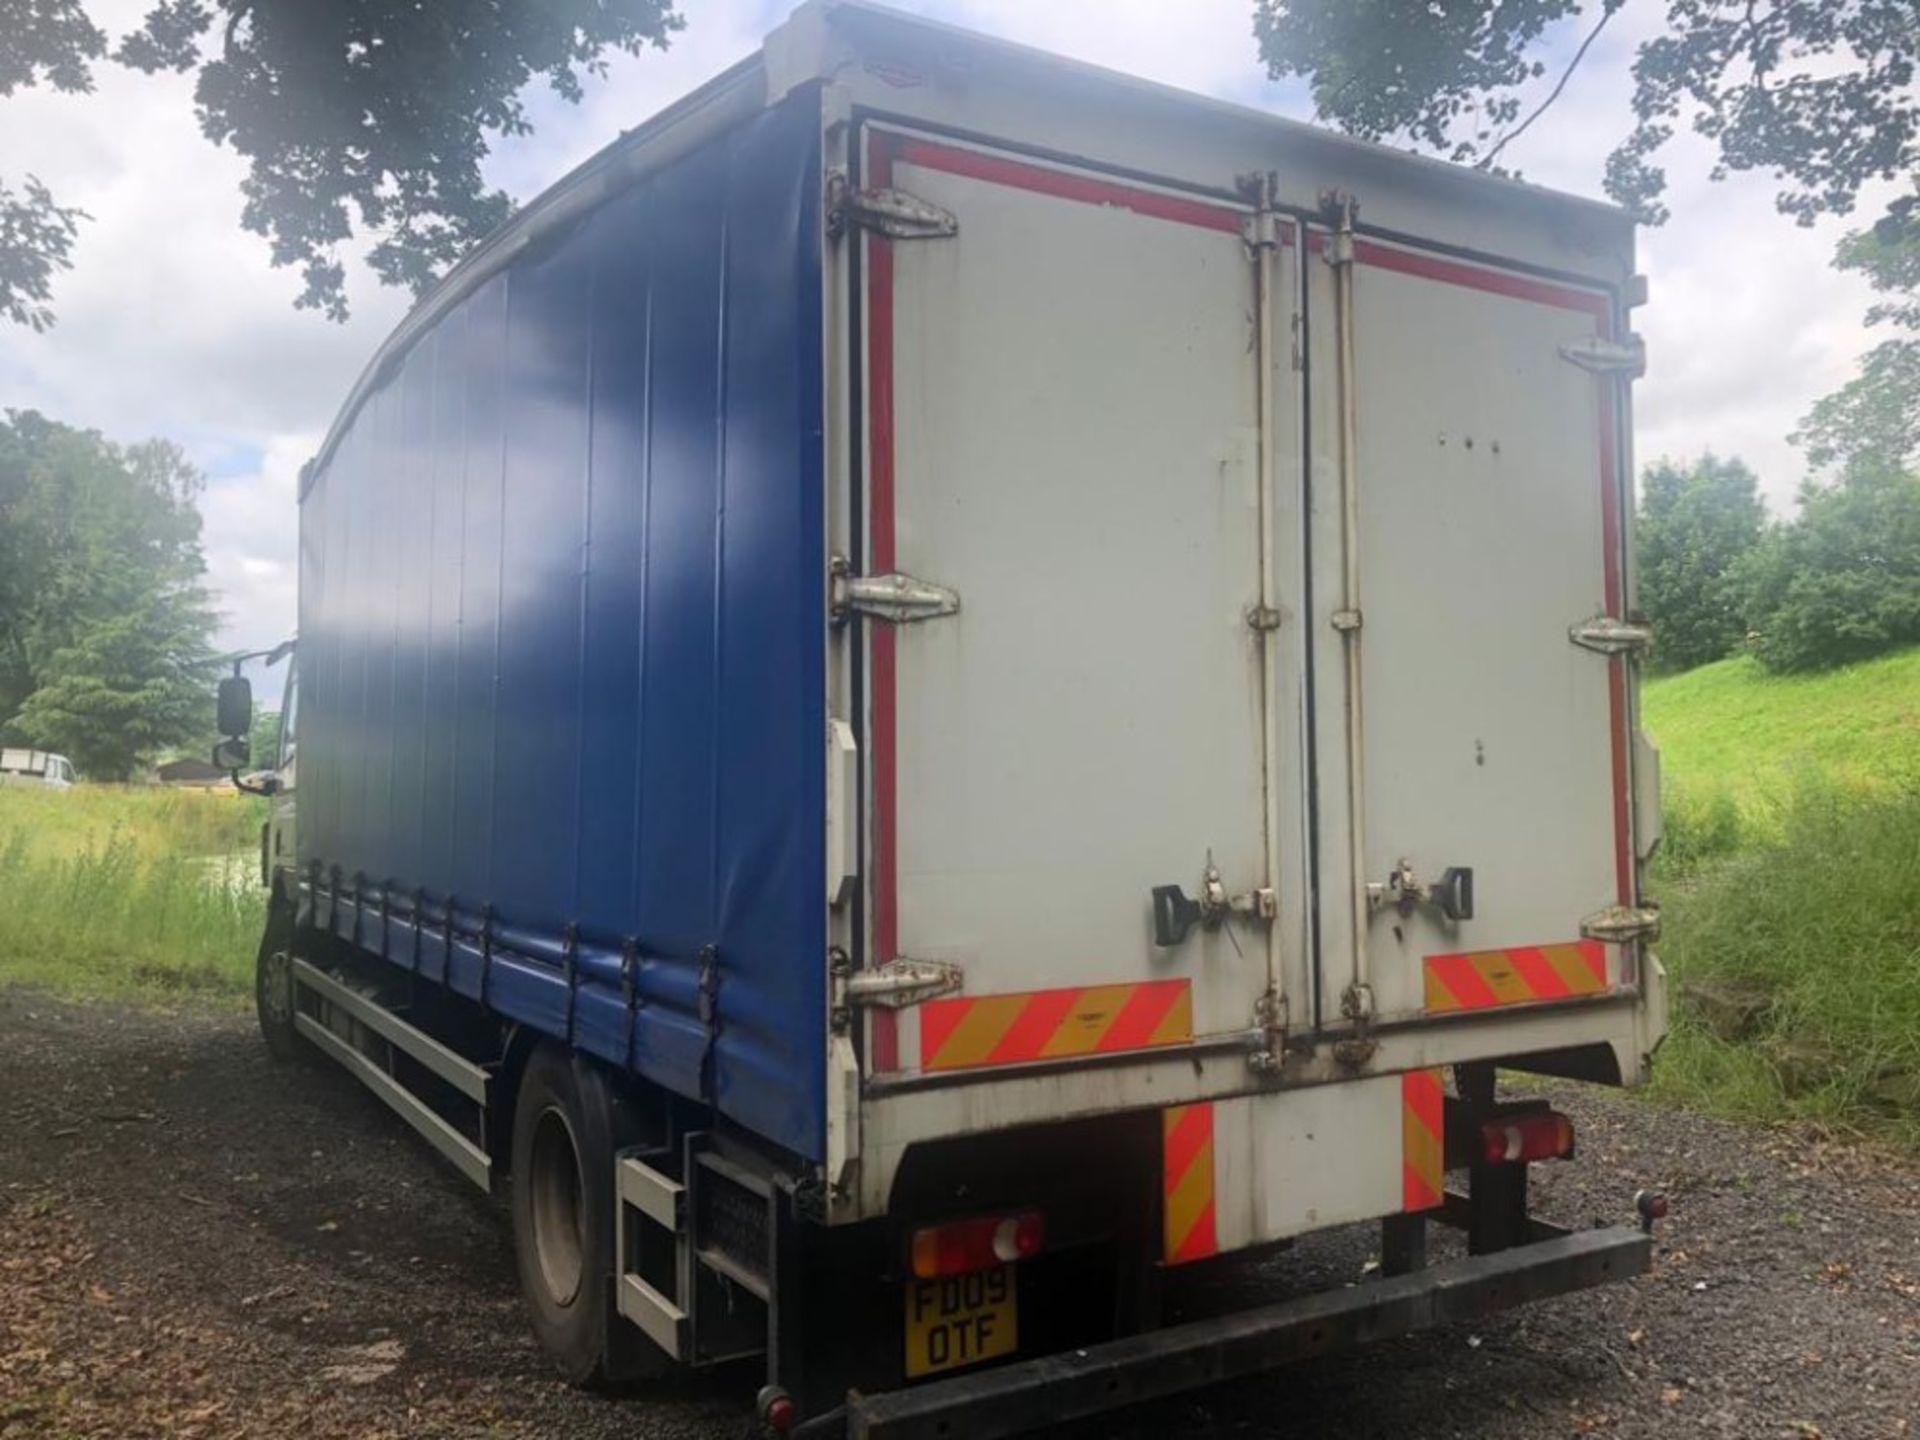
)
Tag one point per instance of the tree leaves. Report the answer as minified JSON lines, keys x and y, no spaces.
{"x":1821,"y":92}
{"x":356,"y":117}
{"x":1838,"y":583}
{"x":49,"y":42}
{"x":104,"y":625}
{"x":363,"y":115}
{"x":129,"y":685}
{"x":1842,"y":582}
{"x":1873,"y":421}
{"x":1693,"y":526}
{"x":36,"y":241}
{"x":1434,"y":73}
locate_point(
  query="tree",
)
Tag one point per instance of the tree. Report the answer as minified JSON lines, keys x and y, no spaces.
{"x":129,"y":684}
{"x":351,"y":114}
{"x":104,"y":626}
{"x":264,"y":740}
{"x":1873,"y":421}
{"x":1841,"y":582}
{"x":1820,"y":92}
{"x":1694,"y":525}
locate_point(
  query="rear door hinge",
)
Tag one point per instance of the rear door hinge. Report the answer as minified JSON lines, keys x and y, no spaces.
{"x":900,"y":982}
{"x":1608,"y":636}
{"x":892,"y":213}
{"x":1623,"y":925}
{"x":1609,"y":357}
{"x":894,"y":598}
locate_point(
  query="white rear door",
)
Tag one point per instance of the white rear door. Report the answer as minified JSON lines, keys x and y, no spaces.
{"x":1062,"y":427}
{"x":1488,"y":475}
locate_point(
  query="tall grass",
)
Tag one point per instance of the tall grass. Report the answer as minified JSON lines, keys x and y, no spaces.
{"x":129,"y":892}
{"x":1815,"y":930}
{"x":1787,"y":871}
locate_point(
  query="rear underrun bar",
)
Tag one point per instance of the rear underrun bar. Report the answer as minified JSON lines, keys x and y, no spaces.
{"x":1081,"y":1383}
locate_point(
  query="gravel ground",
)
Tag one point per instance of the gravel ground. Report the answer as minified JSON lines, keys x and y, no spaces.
{"x":196,"y":1244}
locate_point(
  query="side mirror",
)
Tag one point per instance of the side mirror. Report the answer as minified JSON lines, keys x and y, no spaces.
{"x":235,"y":707}
{"x":235,"y":754}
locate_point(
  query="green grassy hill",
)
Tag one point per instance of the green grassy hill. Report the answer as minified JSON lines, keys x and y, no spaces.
{"x":1731,"y":728}
{"x":1792,"y":816}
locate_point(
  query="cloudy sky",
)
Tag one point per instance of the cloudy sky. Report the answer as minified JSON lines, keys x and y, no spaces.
{"x":172,"y":323}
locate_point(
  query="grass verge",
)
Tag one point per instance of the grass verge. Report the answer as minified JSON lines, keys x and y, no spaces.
{"x":1796,"y":963}
{"x":1734,"y":739}
{"x":128,"y":893}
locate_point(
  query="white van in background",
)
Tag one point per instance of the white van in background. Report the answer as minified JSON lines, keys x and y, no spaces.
{"x":36,"y":767}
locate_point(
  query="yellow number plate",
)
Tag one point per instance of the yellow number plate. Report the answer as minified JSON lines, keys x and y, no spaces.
{"x":960,"y":1320}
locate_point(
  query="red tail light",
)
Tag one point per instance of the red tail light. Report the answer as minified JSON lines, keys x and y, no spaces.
{"x":1542,"y":1135}
{"x":978,"y":1244}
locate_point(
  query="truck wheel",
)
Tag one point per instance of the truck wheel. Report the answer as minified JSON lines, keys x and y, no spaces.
{"x":567,"y":1125}
{"x":273,"y":985}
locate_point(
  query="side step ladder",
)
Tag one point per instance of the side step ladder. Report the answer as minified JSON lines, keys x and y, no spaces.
{"x":696,"y":1260}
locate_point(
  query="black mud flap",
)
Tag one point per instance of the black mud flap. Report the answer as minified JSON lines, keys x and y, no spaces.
{"x":1072,"y":1386}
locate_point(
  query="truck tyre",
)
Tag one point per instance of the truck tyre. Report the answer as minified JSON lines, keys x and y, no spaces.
{"x":273,"y":985}
{"x":567,"y":1125}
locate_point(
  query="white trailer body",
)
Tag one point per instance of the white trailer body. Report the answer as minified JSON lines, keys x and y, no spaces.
{"x":1268,"y":495}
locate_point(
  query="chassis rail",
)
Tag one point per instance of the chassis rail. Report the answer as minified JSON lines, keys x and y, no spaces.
{"x":1074,"y":1385}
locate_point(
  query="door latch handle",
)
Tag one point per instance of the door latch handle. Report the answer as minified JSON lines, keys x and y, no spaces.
{"x":1451,"y":894}
{"x":1175,"y":913}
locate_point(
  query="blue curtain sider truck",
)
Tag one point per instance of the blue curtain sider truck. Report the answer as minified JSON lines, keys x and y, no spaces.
{"x":945,"y":683}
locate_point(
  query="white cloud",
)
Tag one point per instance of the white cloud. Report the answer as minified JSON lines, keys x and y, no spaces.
{"x":251,"y":544}
{"x":173,"y":323}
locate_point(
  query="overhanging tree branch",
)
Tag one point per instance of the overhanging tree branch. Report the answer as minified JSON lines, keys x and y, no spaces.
{"x":1607,"y":13}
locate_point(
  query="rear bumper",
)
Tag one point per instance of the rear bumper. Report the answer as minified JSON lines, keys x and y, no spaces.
{"x":1081,"y":1383}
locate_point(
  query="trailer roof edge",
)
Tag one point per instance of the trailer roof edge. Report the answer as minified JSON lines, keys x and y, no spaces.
{"x":798,"y":50}
{"x":852,"y":14}
{"x":732,"y":95}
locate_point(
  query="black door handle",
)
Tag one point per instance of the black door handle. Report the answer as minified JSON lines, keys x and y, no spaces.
{"x":1453,"y":892}
{"x":1173,"y":915}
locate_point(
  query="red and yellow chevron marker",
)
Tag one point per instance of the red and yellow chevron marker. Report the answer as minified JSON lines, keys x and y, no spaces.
{"x":1047,"y":1024}
{"x":1186,"y":1141}
{"x":1482,"y":979}
{"x":1423,"y":1165}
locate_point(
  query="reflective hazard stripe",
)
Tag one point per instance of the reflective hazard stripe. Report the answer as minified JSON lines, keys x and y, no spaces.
{"x":1423,"y":1167}
{"x":1048,"y":1024}
{"x":1186,"y":1137}
{"x":1481,"y":979}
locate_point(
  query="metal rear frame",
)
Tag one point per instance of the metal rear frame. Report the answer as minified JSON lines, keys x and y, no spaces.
{"x":1079,"y":1384}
